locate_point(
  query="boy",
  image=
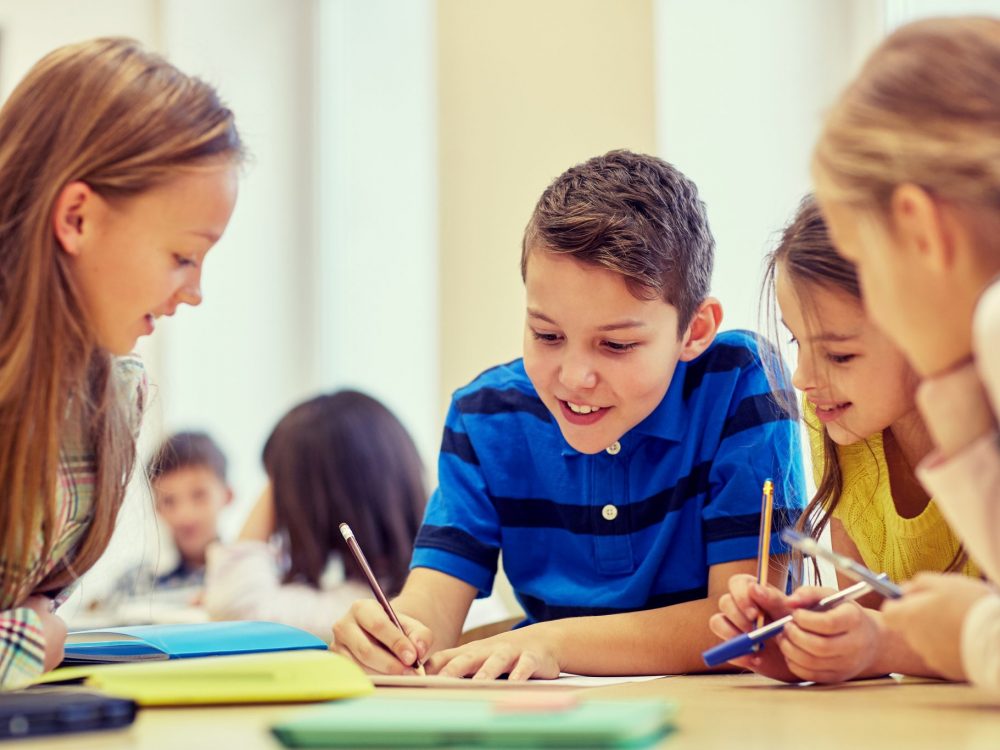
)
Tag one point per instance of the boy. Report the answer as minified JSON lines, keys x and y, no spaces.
{"x":188,"y":476}
{"x":618,"y":467}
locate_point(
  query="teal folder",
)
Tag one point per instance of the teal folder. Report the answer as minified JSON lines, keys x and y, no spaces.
{"x":154,"y":642}
{"x":401,"y":722}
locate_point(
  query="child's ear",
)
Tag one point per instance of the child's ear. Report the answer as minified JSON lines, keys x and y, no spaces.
{"x":702,"y":329}
{"x":229,"y":496}
{"x":919,"y":227}
{"x":71,"y":215}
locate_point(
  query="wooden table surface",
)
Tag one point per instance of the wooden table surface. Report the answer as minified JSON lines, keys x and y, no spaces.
{"x":714,"y":711}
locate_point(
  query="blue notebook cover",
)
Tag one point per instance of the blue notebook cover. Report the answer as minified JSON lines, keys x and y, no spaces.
{"x":153,"y":642}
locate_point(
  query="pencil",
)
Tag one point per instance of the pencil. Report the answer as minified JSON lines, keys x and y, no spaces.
{"x":355,"y":548}
{"x":764,"y":542}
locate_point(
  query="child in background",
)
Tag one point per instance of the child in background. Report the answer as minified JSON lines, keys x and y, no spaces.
{"x":188,"y":476}
{"x":337,"y":458}
{"x":117,"y":175}
{"x":865,"y":435}
{"x":617,"y":468}
{"x":907,"y":173}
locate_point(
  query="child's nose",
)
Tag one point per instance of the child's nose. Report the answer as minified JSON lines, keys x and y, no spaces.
{"x":802,"y":377}
{"x":577,"y":373}
{"x":190,"y":293}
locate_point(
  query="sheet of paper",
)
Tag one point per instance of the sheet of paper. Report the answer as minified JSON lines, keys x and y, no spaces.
{"x":565,"y":680}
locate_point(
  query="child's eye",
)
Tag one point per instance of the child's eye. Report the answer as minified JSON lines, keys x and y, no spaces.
{"x":546,"y":338}
{"x":184,"y":262}
{"x":840,"y":359}
{"x":618,"y":347}
{"x":793,"y":341}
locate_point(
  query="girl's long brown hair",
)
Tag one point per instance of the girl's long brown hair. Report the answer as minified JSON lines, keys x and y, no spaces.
{"x":806,"y":255}
{"x":122,"y":120}
{"x":345,"y":458}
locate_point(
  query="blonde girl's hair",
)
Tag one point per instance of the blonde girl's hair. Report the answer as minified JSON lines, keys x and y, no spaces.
{"x":122,"y":120}
{"x":925,"y":109}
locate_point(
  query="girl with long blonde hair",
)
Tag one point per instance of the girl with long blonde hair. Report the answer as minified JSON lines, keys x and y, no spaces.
{"x":117,"y":175}
{"x":907,"y":173}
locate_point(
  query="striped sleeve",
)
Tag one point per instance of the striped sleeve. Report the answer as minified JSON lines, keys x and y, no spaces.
{"x":460,"y":534}
{"x":22,"y":648}
{"x":760,"y":441}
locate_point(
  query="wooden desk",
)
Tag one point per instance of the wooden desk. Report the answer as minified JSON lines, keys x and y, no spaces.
{"x":718,"y":711}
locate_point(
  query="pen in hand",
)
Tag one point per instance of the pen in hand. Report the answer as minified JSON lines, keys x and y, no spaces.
{"x":764,"y":541}
{"x":747,"y":643}
{"x":355,"y":548}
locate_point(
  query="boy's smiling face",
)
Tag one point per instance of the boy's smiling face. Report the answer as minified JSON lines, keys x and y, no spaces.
{"x":600,"y":359}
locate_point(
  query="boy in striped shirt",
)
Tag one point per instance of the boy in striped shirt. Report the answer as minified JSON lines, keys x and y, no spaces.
{"x":617,"y":467}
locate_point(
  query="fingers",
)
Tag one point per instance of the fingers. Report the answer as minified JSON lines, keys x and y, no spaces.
{"x":418,"y":634}
{"x":736,"y":619}
{"x":837,"y":621}
{"x":809,"y":596}
{"x":739,"y":594}
{"x":923,"y":581}
{"x":465,"y":661}
{"x":723,"y":627}
{"x":367,"y":635}
{"x":769,"y":600}
{"x":489,"y":660}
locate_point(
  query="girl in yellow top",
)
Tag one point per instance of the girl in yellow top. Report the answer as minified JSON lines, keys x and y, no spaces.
{"x":865,"y":436}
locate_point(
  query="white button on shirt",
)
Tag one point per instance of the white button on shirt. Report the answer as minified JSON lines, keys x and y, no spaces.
{"x":614,"y":449}
{"x":609,"y":512}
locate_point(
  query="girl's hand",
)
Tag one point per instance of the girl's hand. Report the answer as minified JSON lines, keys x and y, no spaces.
{"x":366,"y":635}
{"x":930,"y":617}
{"x":833,"y":646}
{"x":737,"y":614}
{"x":53,"y":629}
{"x":520,"y":654}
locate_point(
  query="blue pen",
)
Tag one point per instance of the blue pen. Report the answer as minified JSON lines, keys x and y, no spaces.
{"x":850,"y":568}
{"x":746,"y":643}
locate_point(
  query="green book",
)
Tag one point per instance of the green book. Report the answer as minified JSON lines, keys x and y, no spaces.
{"x":379,"y":722}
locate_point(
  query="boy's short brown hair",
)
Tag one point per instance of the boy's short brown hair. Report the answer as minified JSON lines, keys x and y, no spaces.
{"x":633,"y":214}
{"x":184,"y":450}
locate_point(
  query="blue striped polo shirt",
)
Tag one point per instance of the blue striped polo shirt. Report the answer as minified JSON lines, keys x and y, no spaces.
{"x":633,"y":527}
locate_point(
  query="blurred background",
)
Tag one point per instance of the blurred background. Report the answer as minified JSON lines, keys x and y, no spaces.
{"x":398,"y":147}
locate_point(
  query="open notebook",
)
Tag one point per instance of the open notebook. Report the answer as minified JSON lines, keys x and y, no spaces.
{"x":183,"y":641}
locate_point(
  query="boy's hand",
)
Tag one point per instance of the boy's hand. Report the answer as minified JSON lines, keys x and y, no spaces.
{"x":931,"y":614}
{"x":737,"y":614}
{"x":833,"y":646}
{"x":53,"y":629}
{"x":367,"y":635}
{"x":520,"y":654}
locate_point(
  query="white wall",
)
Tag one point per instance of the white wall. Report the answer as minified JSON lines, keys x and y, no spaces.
{"x":237,"y":362}
{"x":376,"y":206}
{"x":741,"y":89}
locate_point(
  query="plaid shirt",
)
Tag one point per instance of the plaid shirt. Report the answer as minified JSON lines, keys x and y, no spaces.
{"x":22,"y":643}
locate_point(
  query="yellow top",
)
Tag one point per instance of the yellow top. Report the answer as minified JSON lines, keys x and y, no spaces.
{"x":900,"y":547}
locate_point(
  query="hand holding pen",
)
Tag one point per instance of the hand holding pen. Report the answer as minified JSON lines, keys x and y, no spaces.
{"x":821,"y":640}
{"x":383,"y":601}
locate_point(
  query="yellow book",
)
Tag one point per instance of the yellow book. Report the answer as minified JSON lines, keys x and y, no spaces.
{"x":278,"y":677}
